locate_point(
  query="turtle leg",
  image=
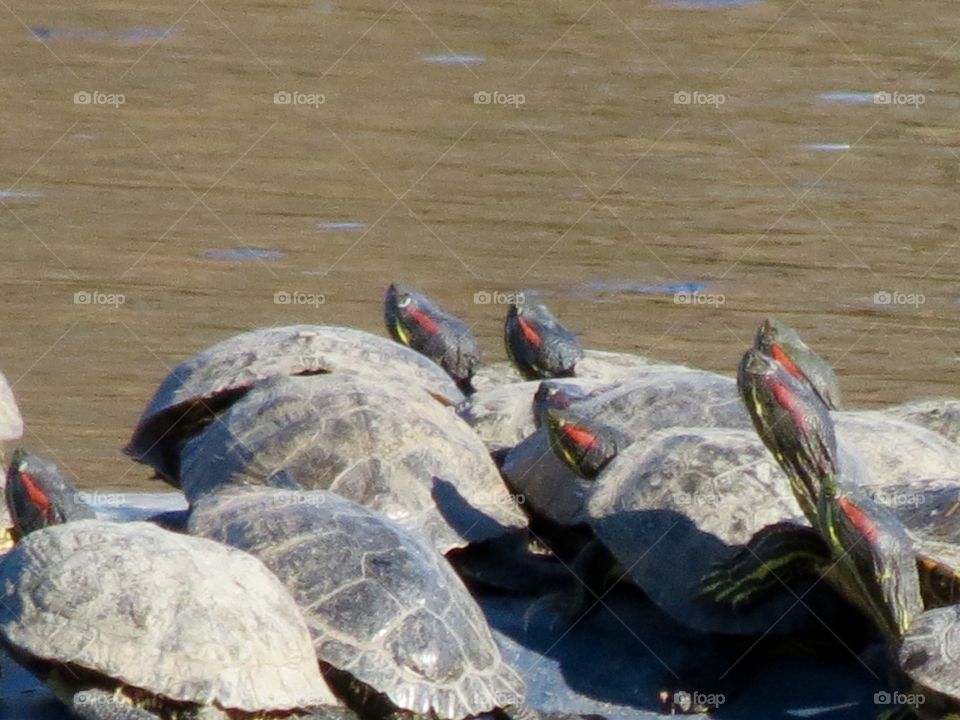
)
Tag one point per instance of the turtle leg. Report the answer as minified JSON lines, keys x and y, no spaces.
{"x":772,"y":557}
{"x":97,"y":704}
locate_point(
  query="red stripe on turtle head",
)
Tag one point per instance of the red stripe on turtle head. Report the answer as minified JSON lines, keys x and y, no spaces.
{"x":529,"y":334}
{"x":788,"y":401}
{"x":781,"y":357}
{"x":579,"y":437}
{"x":424,"y":321}
{"x":861,"y":521}
{"x":36,"y":496}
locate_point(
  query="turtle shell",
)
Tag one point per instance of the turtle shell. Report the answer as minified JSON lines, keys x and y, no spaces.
{"x":673,"y":506}
{"x":381,"y":605}
{"x":11,"y":423}
{"x":930,"y":656}
{"x":205,"y":384}
{"x":390,"y":448}
{"x":183,"y":618}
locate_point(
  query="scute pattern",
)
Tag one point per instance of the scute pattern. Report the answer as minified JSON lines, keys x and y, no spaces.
{"x":99,"y":595}
{"x":430,"y":649}
{"x":388,"y":448}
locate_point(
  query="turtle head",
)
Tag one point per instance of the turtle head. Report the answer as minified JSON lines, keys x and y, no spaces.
{"x":537,"y":344}
{"x":582,"y":444}
{"x":553,"y":395}
{"x":38,"y":495}
{"x":793,"y":423}
{"x":416,"y":321}
{"x":783,"y":344}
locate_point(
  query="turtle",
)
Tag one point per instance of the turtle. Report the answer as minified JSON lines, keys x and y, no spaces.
{"x":416,"y":321}
{"x":672,"y":506}
{"x":203,"y":386}
{"x":393,"y":626}
{"x":391,"y":448}
{"x":783,"y":343}
{"x":127,"y":621}
{"x":537,"y":344}
{"x":872,"y":556}
{"x":39,"y":495}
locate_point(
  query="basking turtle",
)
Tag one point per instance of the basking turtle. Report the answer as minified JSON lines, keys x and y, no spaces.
{"x":39,"y":495}
{"x":871,"y":556}
{"x":537,"y":344}
{"x":390,"y":448}
{"x":784,"y":345}
{"x":126,"y":621}
{"x":419,"y":323}
{"x":671,"y":507}
{"x":392,"y":624}
{"x":200,"y":388}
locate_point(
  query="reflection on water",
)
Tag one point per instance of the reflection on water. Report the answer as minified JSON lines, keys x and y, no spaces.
{"x":662,"y":153}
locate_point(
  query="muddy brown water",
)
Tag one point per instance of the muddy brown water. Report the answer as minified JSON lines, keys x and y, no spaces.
{"x":143,"y":154}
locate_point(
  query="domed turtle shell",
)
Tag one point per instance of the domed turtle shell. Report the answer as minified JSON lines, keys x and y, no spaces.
{"x":941,"y":415}
{"x":594,"y":365}
{"x":381,"y":605}
{"x":184,"y":618}
{"x":671,"y":507}
{"x":390,"y":448}
{"x":11,"y":423}
{"x":202,"y":386}
{"x":930,"y":656}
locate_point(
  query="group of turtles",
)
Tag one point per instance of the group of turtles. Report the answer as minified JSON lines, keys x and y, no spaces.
{"x":348,"y":492}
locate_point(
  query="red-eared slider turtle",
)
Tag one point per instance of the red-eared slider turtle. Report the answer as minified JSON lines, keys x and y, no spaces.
{"x":390,"y":448}
{"x":203,"y":386}
{"x":537,"y":344}
{"x":783,"y":344}
{"x":38,"y":495}
{"x":671,"y":507}
{"x":416,"y":321}
{"x":392,"y":624}
{"x":929,"y":657}
{"x":130,"y":621}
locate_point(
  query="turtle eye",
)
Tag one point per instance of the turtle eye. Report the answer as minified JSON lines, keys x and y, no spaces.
{"x":403,"y":301}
